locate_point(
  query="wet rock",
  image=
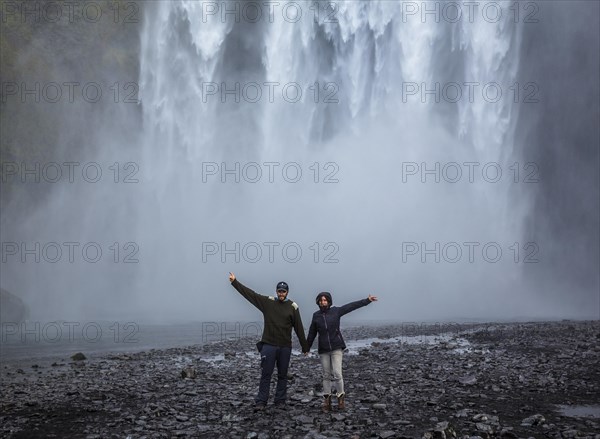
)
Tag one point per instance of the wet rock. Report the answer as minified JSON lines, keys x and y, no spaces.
{"x":483,"y":417}
{"x":533,"y":420}
{"x":189,"y":372}
{"x":443,"y":430}
{"x":78,"y":357}
{"x":468,"y":380}
{"x":464,"y":413}
{"x":303,"y":419}
{"x":484,"y":427}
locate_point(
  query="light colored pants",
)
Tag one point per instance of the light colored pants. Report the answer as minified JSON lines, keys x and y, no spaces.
{"x":332,"y":372}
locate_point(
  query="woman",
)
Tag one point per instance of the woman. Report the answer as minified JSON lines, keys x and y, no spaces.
{"x":326,"y":322}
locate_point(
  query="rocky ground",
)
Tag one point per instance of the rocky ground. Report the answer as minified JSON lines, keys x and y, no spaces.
{"x":504,"y":380}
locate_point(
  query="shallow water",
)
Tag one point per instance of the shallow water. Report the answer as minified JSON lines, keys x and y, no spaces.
{"x":60,"y":339}
{"x":580,"y":411}
{"x":48,"y":340}
{"x":460,"y":345}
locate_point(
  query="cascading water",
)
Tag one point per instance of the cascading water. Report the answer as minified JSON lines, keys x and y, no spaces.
{"x":301,"y":130}
{"x":363,"y":60}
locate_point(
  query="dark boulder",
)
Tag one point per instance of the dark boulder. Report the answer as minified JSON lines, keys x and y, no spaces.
{"x":12,"y":309}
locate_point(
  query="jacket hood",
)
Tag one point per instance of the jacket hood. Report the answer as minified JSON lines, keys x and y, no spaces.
{"x":326,"y":295}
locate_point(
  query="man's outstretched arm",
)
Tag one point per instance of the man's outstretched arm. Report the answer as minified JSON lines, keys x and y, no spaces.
{"x":255,"y":299}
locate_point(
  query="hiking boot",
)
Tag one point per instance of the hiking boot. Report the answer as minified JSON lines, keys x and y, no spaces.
{"x":342,"y":401}
{"x":259,"y":407}
{"x":326,"y":403}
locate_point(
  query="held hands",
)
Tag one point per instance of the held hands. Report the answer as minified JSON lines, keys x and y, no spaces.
{"x":372,"y":298}
{"x":231,"y":277}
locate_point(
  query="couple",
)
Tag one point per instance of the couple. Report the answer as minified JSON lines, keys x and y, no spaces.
{"x":280,"y":316}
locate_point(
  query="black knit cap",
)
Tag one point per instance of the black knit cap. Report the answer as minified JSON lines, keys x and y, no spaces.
{"x":282,"y":286}
{"x":326,"y":295}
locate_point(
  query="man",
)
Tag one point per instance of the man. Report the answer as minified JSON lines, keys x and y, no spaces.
{"x":280,"y":315}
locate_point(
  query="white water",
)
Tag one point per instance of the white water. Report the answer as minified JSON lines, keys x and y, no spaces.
{"x":368,"y":54}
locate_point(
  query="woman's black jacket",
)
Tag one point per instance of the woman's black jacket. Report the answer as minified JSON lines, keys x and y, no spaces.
{"x":327,"y":324}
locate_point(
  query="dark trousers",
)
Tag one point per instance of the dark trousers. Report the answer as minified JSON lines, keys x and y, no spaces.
{"x":271,"y":355}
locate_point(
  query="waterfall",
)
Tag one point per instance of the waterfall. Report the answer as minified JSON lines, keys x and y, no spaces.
{"x":356,"y":64}
{"x":351,"y":146}
{"x":367,"y":51}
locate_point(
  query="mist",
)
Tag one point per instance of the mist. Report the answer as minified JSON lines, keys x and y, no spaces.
{"x":456,"y":206}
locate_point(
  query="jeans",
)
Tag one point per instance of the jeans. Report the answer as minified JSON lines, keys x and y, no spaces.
{"x":332,"y":372}
{"x":269,"y":356}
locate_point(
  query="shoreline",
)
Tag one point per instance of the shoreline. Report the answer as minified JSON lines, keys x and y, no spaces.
{"x":21,"y":345}
{"x":486,"y":383}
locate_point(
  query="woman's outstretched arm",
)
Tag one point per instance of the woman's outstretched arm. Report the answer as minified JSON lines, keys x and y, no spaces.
{"x":349,"y":307}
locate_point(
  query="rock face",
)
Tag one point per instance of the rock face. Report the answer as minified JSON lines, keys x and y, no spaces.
{"x":394,"y":389}
{"x":12,"y":309}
